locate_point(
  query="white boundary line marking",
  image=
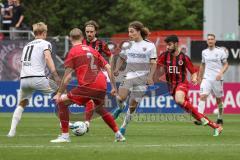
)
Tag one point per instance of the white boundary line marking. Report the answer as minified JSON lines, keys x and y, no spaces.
{"x":116,"y":145}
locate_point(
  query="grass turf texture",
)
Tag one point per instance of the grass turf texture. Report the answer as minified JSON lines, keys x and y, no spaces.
{"x":145,"y":140}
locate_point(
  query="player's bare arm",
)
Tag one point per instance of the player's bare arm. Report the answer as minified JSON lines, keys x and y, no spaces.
{"x":194,"y":78}
{"x":153,"y":66}
{"x":111,"y":62}
{"x":201,"y":72}
{"x":222,"y":71}
{"x":51,"y":66}
{"x":66,"y":79}
{"x":112,"y":79}
{"x":119,"y":63}
{"x":192,"y":70}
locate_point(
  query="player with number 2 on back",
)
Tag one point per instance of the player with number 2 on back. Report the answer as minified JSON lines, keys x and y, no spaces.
{"x":36,"y":56}
{"x":87,"y":64}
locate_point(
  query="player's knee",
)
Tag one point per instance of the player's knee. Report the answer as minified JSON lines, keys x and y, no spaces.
{"x":134,"y":102}
{"x":121,"y":98}
{"x":219,"y":101}
{"x":179,"y":101}
{"x":24,"y":102}
{"x":100,"y":110}
{"x":203,"y":97}
{"x":64,"y":99}
{"x":132,"y":109}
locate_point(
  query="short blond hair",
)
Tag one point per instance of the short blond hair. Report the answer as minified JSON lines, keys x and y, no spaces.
{"x":211,"y":34}
{"x":76,"y":34}
{"x":39,"y":28}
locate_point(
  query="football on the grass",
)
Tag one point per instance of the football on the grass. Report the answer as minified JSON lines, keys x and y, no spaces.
{"x":79,"y":128}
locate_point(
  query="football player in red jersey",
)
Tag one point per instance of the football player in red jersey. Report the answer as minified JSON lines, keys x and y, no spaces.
{"x":175,"y":64}
{"x":91,"y":29}
{"x":87,"y":64}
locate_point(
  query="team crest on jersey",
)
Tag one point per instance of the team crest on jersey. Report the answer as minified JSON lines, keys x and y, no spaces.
{"x":180,"y":62}
{"x":144,"y":49}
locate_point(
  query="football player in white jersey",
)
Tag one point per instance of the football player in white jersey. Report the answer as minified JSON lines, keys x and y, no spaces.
{"x":36,"y":56}
{"x":214,"y":65}
{"x":140,"y":56}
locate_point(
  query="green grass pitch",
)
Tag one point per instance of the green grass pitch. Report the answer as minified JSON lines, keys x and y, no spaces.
{"x":177,"y":140}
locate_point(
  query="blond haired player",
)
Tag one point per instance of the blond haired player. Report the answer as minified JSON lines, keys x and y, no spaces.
{"x":36,"y":56}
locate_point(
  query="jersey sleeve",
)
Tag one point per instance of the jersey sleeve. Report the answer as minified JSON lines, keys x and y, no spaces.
{"x":69,"y":61}
{"x":153,"y":52}
{"x":105,"y":49}
{"x":190,"y":65}
{"x":203,"y":57}
{"x":47,"y":46}
{"x":101,"y":61}
{"x":123,"y":54}
{"x":224,"y":56}
{"x":160,"y":60}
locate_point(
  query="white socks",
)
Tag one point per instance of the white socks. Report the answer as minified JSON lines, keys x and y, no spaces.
{"x":201,"y":107}
{"x":16,"y":118}
{"x":127,"y":119}
{"x":65,"y":135}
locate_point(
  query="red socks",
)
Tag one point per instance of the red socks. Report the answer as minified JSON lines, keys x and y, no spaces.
{"x":187,"y":106}
{"x":107,"y":117}
{"x":63,"y":114}
{"x":89,"y":110}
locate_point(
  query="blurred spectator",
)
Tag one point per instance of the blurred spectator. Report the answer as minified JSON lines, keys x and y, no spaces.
{"x":7,"y":14}
{"x":17,"y":19}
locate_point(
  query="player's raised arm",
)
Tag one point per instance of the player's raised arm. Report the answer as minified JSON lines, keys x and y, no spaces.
{"x":51,"y":66}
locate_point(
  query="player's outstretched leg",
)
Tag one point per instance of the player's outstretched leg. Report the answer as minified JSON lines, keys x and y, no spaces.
{"x":200,"y":117}
{"x":108,"y":119}
{"x":119,"y":109}
{"x":126,"y":121}
{"x":17,"y":117}
{"x":201,"y":106}
{"x":63,"y":114}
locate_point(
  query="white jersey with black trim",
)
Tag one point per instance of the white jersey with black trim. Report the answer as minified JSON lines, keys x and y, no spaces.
{"x":138,"y":56}
{"x":213,"y":60}
{"x":33,"y":58}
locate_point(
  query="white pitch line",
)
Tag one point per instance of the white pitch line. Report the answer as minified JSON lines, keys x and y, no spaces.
{"x":31,"y":135}
{"x":29,"y":146}
{"x":122,"y":146}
